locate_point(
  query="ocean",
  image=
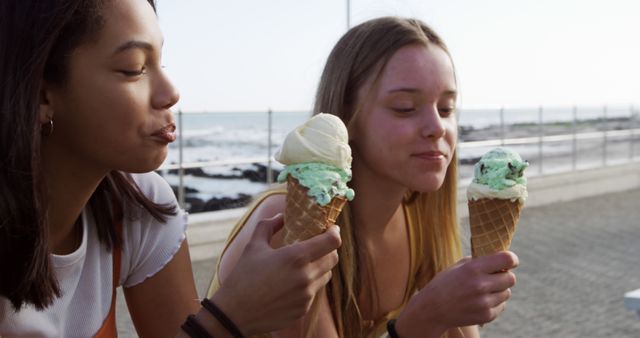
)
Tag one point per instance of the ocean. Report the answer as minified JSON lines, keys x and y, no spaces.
{"x":245,"y":135}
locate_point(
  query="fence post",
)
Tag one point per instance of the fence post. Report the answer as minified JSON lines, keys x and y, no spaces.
{"x":348,"y":14}
{"x":502,"y":131}
{"x":540,"y":141}
{"x":604,"y":136}
{"x":632,"y":125}
{"x":269,"y":170}
{"x":574,"y":146}
{"x":180,"y":162}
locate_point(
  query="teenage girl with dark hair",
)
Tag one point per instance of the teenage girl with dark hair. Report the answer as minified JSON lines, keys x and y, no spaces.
{"x":84,"y":118}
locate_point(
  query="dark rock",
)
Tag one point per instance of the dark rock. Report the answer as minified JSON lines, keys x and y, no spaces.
{"x":259,"y":174}
{"x":187,"y":190}
{"x":194,"y":204}
{"x":256,"y":174}
{"x":221,"y":203}
{"x":465,"y":131}
{"x":198,"y":172}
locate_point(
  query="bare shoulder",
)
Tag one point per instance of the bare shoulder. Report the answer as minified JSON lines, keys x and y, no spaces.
{"x":267,"y":208}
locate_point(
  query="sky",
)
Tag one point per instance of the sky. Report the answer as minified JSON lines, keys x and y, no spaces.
{"x":251,"y":55}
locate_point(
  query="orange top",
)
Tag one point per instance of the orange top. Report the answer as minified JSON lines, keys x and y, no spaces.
{"x":108,"y":329}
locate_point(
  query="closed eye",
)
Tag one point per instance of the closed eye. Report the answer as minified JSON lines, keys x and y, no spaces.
{"x":446,"y":111}
{"x":134,"y":73}
{"x":403,"y":110}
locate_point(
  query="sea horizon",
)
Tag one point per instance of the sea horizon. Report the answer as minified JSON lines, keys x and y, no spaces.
{"x":237,"y":136}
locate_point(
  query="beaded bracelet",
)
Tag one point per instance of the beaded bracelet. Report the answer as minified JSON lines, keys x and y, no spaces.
{"x":391,"y":328}
{"x":222,"y":318}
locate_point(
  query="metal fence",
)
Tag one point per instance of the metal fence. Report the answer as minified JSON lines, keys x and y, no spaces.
{"x":604,"y":133}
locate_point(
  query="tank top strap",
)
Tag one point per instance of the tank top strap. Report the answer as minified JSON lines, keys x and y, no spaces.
{"x":377,"y":327}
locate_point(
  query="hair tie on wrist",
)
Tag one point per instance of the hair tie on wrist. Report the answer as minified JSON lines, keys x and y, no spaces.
{"x":194,"y":329}
{"x":222,"y":318}
{"x":391,"y":328}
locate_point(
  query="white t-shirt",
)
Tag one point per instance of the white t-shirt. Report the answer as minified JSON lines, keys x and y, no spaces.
{"x":85,"y":276}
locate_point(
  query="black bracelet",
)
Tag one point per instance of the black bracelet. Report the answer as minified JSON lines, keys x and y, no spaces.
{"x":194,"y":329}
{"x":222,"y":318}
{"x":391,"y":328}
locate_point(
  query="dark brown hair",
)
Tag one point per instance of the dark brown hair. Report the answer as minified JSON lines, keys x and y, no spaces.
{"x":36,"y":39}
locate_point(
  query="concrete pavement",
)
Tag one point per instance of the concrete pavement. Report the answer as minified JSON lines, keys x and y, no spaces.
{"x":578,"y":257}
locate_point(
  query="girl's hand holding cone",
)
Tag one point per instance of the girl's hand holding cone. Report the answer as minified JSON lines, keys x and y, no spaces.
{"x":471,"y":292}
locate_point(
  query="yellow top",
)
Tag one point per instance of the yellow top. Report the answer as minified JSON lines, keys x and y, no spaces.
{"x":377,"y":327}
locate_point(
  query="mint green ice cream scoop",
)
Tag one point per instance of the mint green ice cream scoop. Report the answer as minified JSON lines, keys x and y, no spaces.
{"x":324,"y":181}
{"x":500,"y":168}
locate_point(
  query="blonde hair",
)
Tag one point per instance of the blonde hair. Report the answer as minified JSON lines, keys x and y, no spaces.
{"x":360,"y":55}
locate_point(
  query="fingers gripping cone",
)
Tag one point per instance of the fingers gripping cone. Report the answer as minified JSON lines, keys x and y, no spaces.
{"x":493,"y":223}
{"x":304,"y":217}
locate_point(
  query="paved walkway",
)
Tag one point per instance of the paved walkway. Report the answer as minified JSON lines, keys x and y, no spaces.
{"x":577,"y":259}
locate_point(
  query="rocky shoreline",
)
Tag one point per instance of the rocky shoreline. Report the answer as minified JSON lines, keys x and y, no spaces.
{"x":258,"y":172}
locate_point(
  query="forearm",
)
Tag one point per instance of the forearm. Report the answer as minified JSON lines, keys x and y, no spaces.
{"x":411,"y":324}
{"x":212,"y":318}
{"x":209,"y":323}
{"x":407,"y":331}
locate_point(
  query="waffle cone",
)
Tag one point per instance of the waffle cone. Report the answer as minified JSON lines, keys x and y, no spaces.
{"x":493,"y":223}
{"x":303,"y":216}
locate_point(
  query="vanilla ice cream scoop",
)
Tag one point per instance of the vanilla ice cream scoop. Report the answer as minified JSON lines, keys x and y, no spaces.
{"x":322,"y":139}
{"x":317,"y":155}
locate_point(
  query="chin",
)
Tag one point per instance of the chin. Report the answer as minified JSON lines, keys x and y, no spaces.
{"x":141,"y":170}
{"x":430,"y":184}
{"x":142,"y":165}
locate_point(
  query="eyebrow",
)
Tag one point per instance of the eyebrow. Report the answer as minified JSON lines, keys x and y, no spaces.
{"x":133,"y":44}
{"x":406,"y":90}
{"x":448,"y":92}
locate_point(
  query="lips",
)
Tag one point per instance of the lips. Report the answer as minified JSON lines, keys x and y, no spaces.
{"x":166,"y":134}
{"x":430,"y":155}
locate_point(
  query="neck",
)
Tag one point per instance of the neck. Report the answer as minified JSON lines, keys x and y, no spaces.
{"x":378,"y":203}
{"x":69,"y":187}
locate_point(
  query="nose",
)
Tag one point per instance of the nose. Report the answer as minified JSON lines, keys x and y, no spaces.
{"x":432,"y":124}
{"x":165,"y":95}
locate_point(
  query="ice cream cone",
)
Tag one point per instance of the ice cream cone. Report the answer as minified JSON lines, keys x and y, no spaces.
{"x":493,"y":223}
{"x":304,"y":217}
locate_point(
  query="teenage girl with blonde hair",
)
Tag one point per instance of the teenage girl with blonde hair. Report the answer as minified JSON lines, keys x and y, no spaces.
{"x":392,"y":82}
